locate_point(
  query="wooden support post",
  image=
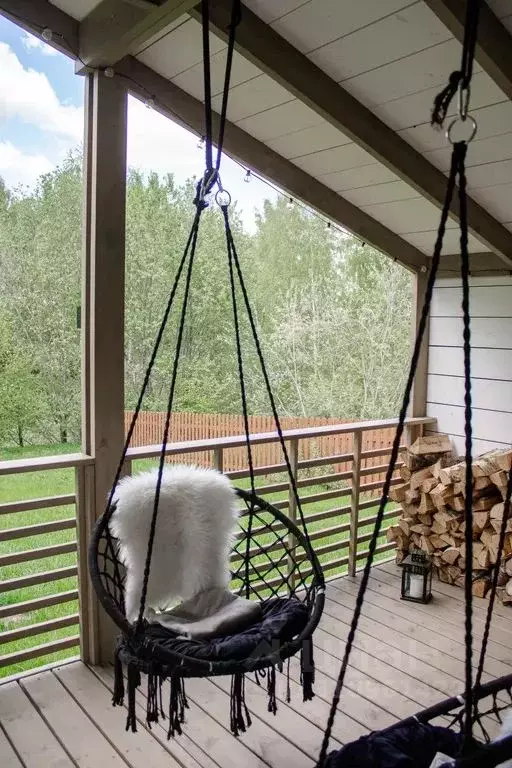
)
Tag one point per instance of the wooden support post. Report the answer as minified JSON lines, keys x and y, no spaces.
{"x":418,"y":405}
{"x":293,"y":454}
{"x":85,"y":517}
{"x":103,"y":292}
{"x":218,"y":459}
{"x":357,"y":441}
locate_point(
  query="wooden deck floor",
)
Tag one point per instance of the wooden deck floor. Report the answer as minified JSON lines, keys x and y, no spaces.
{"x":406,"y":657}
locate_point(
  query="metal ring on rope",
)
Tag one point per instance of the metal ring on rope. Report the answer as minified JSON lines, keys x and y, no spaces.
{"x":470,"y":124}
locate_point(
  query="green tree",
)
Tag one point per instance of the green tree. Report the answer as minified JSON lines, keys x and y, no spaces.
{"x":22,"y":404}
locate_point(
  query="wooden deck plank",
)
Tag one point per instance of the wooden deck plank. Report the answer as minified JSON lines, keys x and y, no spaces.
{"x":411,"y":612}
{"x":70,"y":724}
{"x":27,"y":731}
{"x":106,"y":722}
{"x":265,"y":743}
{"x":420,"y":662}
{"x":456,"y":595}
{"x":405,"y":657}
{"x":8,"y":757}
{"x":445,"y":648}
{"x":186,"y":752}
{"x":207,"y":732}
{"x":444,"y":608}
{"x":395,"y":677}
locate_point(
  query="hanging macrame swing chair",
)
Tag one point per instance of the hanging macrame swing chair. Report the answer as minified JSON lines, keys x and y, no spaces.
{"x":424,"y":740}
{"x":273,"y":560}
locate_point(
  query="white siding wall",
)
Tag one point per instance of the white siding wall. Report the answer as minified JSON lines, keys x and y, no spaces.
{"x":491,"y":333}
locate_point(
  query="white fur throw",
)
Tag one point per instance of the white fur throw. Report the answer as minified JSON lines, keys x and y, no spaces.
{"x":194,"y":529}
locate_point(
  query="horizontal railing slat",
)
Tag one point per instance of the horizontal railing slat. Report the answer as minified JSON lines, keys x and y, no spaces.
{"x":44,"y":503}
{"x":39,"y":650}
{"x":40,"y":463}
{"x":38,"y":578}
{"x":37,"y":554}
{"x":38,"y":603}
{"x":259,"y":438}
{"x":39,"y":629}
{"x":9,"y":534}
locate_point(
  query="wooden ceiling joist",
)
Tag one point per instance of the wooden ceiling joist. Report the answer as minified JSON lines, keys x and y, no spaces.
{"x":182,"y":107}
{"x":494,"y":45}
{"x":115,"y":28}
{"x":480,"y":264}
{"x":275,"y":56}
{"x":37,"y":15}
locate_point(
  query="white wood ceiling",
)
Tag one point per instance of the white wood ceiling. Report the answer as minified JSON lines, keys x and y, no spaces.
{"x":393,"y":56}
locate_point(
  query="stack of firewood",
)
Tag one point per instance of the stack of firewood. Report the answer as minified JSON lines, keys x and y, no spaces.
{"x":432,"y":498}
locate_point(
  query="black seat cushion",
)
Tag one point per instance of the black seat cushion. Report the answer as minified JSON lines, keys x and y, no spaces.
{"x":282,"y":620}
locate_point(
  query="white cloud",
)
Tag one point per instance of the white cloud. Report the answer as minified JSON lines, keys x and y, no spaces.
{"x":18,"y":168}
{"x":28,"y":95}
{"x":154,"y":142}
{"x":32,"y":43}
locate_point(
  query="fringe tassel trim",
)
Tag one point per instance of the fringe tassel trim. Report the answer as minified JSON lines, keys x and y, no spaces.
{"x":240,"y":718}
{"x":178,"y":703}
{"x":118,"y":695}
{"x":307,"y":669}
{"x":133,"y":683}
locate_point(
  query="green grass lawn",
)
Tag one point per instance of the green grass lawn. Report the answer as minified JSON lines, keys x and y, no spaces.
{"x":61,"y":481}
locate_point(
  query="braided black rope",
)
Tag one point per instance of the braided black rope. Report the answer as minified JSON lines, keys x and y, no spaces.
{"x":394,"y":453}
{"x":147,"y":566}
{"x":460,"y":150}
{"x":461,"y":77}
{"x":266,"y":379}
{"x":149,"y":369}
{"x":236,"y":14}
{"x":243,"y":393}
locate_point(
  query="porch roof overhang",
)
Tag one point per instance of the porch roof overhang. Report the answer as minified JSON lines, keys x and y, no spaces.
{"x":330,"y":100}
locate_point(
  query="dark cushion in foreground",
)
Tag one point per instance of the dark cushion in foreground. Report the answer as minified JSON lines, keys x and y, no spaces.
{"x":411,"y":745}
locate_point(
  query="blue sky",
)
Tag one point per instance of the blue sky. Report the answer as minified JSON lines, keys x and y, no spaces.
{"x":41,"y":119}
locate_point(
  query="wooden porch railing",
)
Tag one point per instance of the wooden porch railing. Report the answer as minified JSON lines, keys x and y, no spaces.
{"x":339,"y":494}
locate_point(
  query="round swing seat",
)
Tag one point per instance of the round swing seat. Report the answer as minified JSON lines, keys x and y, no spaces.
{"x":272,"y":563}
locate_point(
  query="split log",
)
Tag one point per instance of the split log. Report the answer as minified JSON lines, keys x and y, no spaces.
{"x":417,"y":478}
{"x":481,"y":587}
{"x":431,"y":444}
{"x":503,"y":460}
{"x":412,"y":496}
{"x":397,"y":492}
{"x":451,"y":555}
{"x":426,"y":504}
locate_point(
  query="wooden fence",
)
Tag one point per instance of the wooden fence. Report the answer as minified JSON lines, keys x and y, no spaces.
{"x":188,"y":427}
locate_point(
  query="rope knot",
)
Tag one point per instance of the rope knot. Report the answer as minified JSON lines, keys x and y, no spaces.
{"x":443,"y":99}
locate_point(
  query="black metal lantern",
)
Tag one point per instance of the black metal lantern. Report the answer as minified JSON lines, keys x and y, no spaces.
{"x":417,"y":577}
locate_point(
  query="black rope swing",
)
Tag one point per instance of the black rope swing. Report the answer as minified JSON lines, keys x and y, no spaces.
{"x":273,"y":560}
{"x":468,"y":710}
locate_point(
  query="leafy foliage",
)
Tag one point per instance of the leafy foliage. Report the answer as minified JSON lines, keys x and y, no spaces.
{"x":334,"y":316}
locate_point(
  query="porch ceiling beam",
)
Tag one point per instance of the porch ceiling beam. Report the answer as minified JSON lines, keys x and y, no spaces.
{"x":184,"y":108}
{"x":494,"y":44}
{"x":479,"y":264}
{"x":36,"y":15}
{"x":271,"y":53}
{"x":115,"y":28}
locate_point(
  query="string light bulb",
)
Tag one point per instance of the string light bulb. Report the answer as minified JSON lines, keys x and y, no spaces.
{"x":328,"y":225}
{"x":149,"y":103}
{"x":200,"y":143}
{"x":289,"y":204}
{"x":47,"y":34}
{"x":109,"y":72}
{"x":247,"y":177}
